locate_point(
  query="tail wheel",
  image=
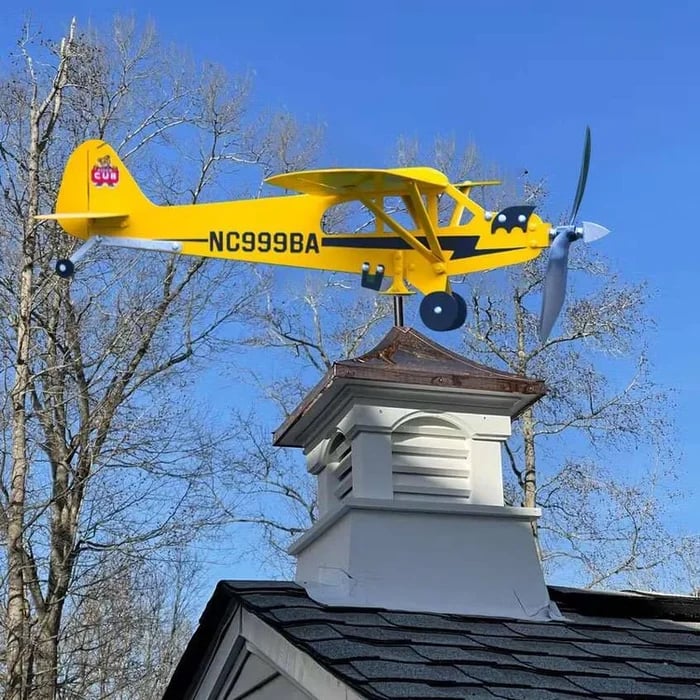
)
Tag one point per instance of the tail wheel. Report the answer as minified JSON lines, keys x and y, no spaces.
{"x":442,"y":311}
{"x":65,"y":268}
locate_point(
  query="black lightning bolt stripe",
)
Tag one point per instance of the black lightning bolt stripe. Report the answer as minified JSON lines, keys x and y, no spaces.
{"x":461,"y":246}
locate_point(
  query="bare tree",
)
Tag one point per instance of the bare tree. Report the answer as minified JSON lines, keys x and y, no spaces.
{"x":124,"y":636}
{"x":109,"y":464}
{"x":594,"y":452}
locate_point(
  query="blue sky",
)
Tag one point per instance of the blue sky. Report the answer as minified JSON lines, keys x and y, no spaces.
{"x":521,"y":80}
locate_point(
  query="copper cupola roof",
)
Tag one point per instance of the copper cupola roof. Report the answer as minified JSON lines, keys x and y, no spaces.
{"x":406,"y":357}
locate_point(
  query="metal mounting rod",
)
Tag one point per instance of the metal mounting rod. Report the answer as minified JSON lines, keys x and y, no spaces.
{"x":398,"y":310}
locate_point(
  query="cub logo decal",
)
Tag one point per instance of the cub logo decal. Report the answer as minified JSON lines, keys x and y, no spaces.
{"x":104,"y":173}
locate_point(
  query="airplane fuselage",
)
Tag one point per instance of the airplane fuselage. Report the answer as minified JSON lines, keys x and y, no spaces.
{"x":99,"y":197}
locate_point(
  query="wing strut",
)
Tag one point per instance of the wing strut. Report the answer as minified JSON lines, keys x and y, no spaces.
{"x":422,"y":218}
{"x":400,"y":231}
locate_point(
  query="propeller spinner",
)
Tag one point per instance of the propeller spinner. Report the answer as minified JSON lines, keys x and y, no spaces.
{"x":563,"y":236}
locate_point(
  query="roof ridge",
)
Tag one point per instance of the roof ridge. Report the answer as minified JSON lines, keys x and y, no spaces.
{"x":598,"y":603}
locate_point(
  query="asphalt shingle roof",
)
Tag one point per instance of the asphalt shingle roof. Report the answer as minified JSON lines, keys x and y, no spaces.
{"x":391,"y":655}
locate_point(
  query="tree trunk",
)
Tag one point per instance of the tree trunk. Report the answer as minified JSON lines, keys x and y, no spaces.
{"x":18,"y":632}
{"x":46,"y":655}
{"x":527,"y":419}
{"x":22,"y":579}
{"x":529,"y":474}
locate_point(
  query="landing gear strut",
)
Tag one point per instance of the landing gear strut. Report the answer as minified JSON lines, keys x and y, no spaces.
{"x":443,"y":311}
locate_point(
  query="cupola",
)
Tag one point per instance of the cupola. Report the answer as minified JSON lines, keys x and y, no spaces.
{"x":405,"y":443}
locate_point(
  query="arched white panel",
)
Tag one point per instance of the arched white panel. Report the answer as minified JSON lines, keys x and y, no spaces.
{"x":430,"y":460}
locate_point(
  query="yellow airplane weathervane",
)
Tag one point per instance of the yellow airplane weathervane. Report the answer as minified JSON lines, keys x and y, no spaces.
{"x":100,"y":202}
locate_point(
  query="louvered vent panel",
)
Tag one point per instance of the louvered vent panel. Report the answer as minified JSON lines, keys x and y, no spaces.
{"x":340,"y":462}
{"x":430,"y":461}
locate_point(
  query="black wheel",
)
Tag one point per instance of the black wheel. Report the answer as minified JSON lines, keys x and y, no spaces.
{"x":440,"y":311}
{"x":462,"y":311}
{"x":64,"y":268}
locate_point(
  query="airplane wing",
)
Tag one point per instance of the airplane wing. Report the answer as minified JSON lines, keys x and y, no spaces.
{"x":395,"y":182}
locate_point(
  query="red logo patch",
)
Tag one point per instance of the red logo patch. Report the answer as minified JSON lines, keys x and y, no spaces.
{"x":104,"y":173}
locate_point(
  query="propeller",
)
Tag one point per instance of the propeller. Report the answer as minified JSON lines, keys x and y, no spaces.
{"x":562,"y":237}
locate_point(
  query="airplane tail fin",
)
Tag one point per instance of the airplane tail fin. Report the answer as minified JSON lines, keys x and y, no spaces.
{"x":96,"y":186}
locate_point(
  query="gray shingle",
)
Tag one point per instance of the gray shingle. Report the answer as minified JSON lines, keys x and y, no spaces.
{"x":399,"y":634}
{"x":315,"y":632}
{"x":573,"y":666}
{"x":672,"y":690}
{"x":538,"y":646}
{"x":637,"y":689}
{"x":538,"y":694}
{"x":670,"y":625}
{"x":345,"y":649}
{"x":495,"y":677}
{"x":438,"y":622}
{"x":598,"y":684}
{"x":608,"y":622}
{"x":454,"y":653}
{"x":663,"y":669}
{"x":599,"y":634}
{"x":350,"y":672}
{"x":680,"y":656}
{"x":544,"y":630}
{"x":266,"y":601}
{"x":301,"y":614}
{"x":673,"y":639}
{"x":422,"y":691}
{"x":393,"y":670}
{"x":496,"y":629}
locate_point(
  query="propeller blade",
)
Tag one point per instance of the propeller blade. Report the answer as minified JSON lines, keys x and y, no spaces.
{"x":592,"y":232}
{"x":583,"y":175}
{"x":555,"y":283}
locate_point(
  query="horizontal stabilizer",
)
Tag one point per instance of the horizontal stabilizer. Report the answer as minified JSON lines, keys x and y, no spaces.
{"x":82,"y":215}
